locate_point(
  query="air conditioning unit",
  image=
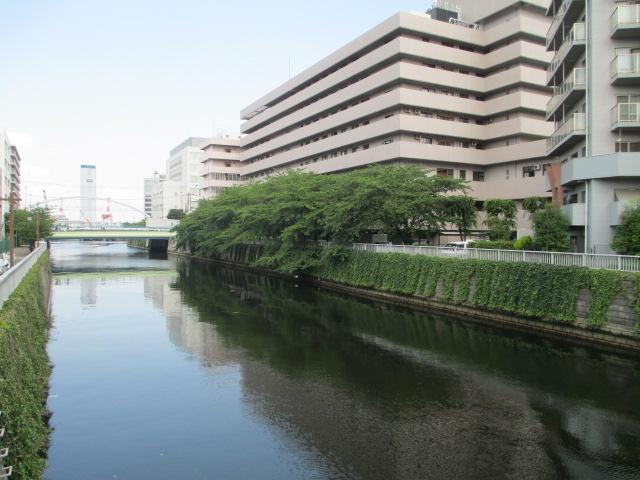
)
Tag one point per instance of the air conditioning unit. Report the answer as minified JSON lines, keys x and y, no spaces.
{"x":538,"y":167}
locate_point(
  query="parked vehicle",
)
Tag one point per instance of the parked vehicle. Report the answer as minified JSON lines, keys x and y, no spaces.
{"x":457,"y":249}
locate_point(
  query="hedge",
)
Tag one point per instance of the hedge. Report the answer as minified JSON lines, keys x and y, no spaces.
{"x":24,"y":374}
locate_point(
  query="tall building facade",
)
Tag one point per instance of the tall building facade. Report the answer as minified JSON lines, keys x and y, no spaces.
{"x":461,"y":90}
{"x":9,"y":175}
{"x":88,"y":193}
{"x":595,"y":73}
{"x":148,"y":195}
{"x":184,"y":166}
{"x":221,"y":167}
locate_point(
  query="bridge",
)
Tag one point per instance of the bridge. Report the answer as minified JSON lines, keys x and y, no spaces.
{"x":107,"y":234}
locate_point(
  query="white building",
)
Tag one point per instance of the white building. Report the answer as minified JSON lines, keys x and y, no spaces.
{"x":595,"y":73}
{"x":88,"y":193}
{"x":166,"y":195}
{"x":9,"y":175}
{"x":185,"y":168}
{"x":148,"y":193}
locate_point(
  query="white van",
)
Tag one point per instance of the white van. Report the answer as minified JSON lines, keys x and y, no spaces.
{"x":456,"y":249}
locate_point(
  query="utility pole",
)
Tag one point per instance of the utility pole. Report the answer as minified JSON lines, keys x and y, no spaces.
{"x":37,"y":227}
{"x":13,"y":200}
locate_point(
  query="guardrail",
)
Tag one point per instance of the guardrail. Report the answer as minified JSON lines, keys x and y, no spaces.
{"x":624,"y":263}
{"x":10,"y":279}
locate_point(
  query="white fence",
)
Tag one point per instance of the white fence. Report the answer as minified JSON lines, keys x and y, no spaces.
{"x":623,"y":263}
{"x":10,"y":279}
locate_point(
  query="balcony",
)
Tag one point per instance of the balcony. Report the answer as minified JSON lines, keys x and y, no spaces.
{"x":574,"y":213}
{"x":569,"y":52}
{"x":625,"y":116}
{"x":571,"y":90}
{"x":625,"y":69}
{"x":625,"y":21}
{"x":571,"y":132}
{"x":567,"y":13}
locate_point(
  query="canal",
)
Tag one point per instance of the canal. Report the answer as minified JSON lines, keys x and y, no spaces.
{"x":174,"y":369}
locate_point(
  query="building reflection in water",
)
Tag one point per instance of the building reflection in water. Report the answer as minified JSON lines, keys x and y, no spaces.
{"x":88,"y":290}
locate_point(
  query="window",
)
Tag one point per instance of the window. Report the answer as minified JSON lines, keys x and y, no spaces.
{"x":627,"y":147}
{"x":463,"y":174}
{"x":529,"y":171}
{"x":445,"y":172}
{"x":478,"y":176}
{"x":507,"y":174}
{"x":545,"y":167}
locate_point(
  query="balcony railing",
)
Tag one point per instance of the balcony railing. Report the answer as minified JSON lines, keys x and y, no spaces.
{"x":559,"y":17}
{"x":577,"y":36}
{"x":625,"y":114}
{"x":626,"y":64}
{"x":625,"y":16}
{"x":577,"y":79}
{"x":576,"y":124}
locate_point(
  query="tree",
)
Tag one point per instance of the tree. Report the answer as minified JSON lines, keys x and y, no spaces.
{"x":140,"y":223}
{"x":25,"y":225}
{"x":500,"y":218}
{"x":463,"y":214}
{"x":176,"y":214}
{"x":551,"y":229}
{"x":290,"y":213}
{"x":626,"y":240}
{"x":533,"y":204}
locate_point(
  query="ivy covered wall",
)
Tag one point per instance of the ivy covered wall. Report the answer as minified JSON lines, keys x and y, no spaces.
{"x":524,"y":289}
{"x":24,"y":373}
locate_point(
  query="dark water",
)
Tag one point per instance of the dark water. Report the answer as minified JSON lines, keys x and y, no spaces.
{"x":169,"y":369}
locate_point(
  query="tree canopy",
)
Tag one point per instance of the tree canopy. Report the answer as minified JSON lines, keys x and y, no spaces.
{"x":25,"y":224}
{"x":291,"y":212}
{"x":175,"y":214}
{"x":500,"y":218}
{"x":627,"y":237}
{"x":551,"y":229}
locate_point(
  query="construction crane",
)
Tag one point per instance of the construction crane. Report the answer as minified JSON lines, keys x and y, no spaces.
{"x":107,"y":217}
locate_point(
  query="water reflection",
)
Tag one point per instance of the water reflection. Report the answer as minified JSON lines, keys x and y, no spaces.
{"x":185,"y":370}
{"x":386,"y":393}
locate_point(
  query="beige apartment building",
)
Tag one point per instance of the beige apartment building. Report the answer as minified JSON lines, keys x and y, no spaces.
{"x":221,"y":167}
{"x":461,"y":90}
{"x":595,"y":72}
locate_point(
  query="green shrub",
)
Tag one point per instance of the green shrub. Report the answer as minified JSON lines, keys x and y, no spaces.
{"x":524,"y":243}
{"x":493,"y":244}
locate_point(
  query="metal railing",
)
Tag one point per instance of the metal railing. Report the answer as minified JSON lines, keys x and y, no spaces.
{"x":577,"y":123}
{"x":10,"y":279}
{"x":624,"y":263}
{"x":625,"y":15}
{"x":576,"y":36}
{"x":576,"y":79}
{"x":625,"y":64}
{"x":625,"y":113}
{"x":557,"y":20}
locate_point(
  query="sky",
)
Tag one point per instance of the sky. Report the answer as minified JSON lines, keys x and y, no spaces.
{"x":119,"y":83}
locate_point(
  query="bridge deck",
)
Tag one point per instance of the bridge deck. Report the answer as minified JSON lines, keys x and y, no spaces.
{"x":111,"y":234}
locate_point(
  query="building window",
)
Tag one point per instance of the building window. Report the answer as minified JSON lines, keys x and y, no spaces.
{"x":529,"y":171}
{"x":478,"y":176}
{"x":445,"y":172}
{"x":463,"y":174}
{"x":627,"y":147}
{"x":544,"y":168}
{"x":507,"y":174}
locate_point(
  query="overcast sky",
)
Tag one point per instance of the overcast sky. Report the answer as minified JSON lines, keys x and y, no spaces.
{"x":118,"y":83}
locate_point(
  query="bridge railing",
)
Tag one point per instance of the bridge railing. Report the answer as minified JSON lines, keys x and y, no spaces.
{"x":10,"y":279}
{"x":624,"y":263}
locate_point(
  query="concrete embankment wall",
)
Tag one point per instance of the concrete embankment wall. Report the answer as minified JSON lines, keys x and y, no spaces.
{"x":25,"y":371}
{"x":596,"y":307}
